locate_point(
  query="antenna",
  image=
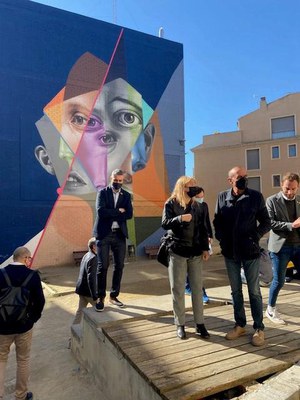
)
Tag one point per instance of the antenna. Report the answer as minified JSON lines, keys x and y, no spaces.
{"x":114,"y":11}
{"x":161,"y":32}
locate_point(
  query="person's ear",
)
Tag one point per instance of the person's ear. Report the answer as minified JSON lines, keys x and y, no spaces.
{"x":149,"y":134}
{"x":43,"y":158}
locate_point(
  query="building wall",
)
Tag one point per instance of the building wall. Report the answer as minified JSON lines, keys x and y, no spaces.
{"x":220,"y":152}
{"x":79,"y":98}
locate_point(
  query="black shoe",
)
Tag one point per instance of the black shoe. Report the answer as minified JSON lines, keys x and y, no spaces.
{"x":201,"y":330}
{"x":288,"y":279}
{"x":29,"y":396}
{"x":99,"y":306}
{"x":181,"y":332}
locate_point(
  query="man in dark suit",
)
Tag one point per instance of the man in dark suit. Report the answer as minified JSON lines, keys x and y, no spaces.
{"x":284,"y":241}
{"x":19,"y":331}
{"x":86,"y":286}
{"x":114,"y":208}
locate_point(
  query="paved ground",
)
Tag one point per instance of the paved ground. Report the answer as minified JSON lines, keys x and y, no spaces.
{"x":55,"y":374}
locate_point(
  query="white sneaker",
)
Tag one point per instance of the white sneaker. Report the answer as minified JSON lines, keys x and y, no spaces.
{"x":274,"y":316}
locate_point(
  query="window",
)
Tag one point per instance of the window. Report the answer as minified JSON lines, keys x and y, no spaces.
{"x":275,"y":152}
{"x":254,"y":182}
{"x":253,"y":161}
{"x":283,"y":127}
{"x":292,"y":150}
{"x":276,"y":180}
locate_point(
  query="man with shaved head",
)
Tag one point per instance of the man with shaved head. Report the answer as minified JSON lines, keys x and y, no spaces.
{"x":241,"y":219}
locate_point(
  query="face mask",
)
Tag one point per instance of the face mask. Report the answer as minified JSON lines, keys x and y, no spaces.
{"x":193,"y":191}
{"x":116,"y":185}
{"x":199,"y":199}
{"x":242,"y":183}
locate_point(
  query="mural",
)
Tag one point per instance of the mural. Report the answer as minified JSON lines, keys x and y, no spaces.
{"x":111,"y":99}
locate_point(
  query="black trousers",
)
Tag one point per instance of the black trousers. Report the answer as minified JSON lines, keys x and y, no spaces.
{"x":116,"y":242}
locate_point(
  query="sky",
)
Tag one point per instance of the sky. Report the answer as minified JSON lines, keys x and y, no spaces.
{"x":235,"y":52}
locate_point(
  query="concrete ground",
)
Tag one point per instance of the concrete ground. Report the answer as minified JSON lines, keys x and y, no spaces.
{"x":55,"y":374}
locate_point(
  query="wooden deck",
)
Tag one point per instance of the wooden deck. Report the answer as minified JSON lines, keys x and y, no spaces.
{"x":193,"y":369}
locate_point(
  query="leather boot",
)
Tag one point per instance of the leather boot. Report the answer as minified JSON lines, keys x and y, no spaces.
{"x":201,"y":330}
{"x":181,"y":332}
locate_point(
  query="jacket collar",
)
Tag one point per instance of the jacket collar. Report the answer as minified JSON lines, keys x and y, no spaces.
{"x":281,"y":203}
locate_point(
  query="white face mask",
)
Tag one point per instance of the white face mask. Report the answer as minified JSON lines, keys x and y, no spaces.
{"x":199,"y":199}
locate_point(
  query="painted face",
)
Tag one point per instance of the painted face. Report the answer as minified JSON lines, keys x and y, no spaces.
{"x":111,"y":131}
{"x":290,"y":188}
{"x":109,"y":137}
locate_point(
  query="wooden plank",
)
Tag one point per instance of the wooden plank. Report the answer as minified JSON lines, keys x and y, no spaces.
{"x":248,"y":361}
{"x":196,"y":368}
{"x":218,"y":383}
{"x":208,"y":354}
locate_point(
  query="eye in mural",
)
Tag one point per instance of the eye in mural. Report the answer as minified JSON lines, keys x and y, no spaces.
{"x":98,"y":132}
{"x":115,"y":107}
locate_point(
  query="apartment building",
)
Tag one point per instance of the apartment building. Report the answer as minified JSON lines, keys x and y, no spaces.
{"x":267,"y":143}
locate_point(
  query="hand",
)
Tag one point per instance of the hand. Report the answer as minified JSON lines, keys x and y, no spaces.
{"x":296,"y":223}
{"x":205,"y":255}
{"x":122,"y":210}
{"x":186,"y":217}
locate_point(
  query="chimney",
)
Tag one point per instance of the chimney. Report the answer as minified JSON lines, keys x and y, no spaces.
{"x":263,"y":103}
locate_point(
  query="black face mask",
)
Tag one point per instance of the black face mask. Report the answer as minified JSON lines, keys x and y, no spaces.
{"x":116,"y":185}
{"x":193,"y":191}
{"x":242,"y":183}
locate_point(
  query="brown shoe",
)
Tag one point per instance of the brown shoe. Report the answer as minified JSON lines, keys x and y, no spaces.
{"x":258,"y":339}
{"x":235,"y":333}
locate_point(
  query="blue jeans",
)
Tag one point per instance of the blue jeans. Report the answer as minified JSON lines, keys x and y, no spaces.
{"x":117,"y":243}
{"x":280,"y":261}
{"x":251,"y":268}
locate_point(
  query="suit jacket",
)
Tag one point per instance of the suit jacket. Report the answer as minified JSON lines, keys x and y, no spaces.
{"x":280,"y":223}
{"x":17,"y":275}
{"x":87,"y":279}
{"x":107,"y":212}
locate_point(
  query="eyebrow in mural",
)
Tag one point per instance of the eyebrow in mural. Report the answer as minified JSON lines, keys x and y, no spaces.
{"x":98,"y":130}
{"x":92,"y":127}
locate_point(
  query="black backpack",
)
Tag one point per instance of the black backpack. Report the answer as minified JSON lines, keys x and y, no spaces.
{"x":14,"y":300}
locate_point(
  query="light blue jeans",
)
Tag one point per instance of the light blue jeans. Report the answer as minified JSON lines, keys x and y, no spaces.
{"x":251,"y":268}
{"x":280,"y":261}
{"x":179,"y":269}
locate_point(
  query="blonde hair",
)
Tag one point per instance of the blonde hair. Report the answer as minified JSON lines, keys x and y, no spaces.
{"x":179,"y":194}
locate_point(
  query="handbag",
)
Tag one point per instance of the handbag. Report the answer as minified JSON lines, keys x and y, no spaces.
{"x":163,"y":251}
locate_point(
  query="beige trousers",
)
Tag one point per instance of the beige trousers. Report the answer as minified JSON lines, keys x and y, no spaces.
{"x":22,"y":342}
{"x":83,"y":303}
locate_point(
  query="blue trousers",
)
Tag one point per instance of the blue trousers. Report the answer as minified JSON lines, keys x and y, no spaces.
{"x":280,"y":261}
{"x":251,"y":268}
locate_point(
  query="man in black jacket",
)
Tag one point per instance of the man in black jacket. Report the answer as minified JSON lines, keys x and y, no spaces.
{"x":20,"y":332}
{"x":114,"y":208}
{"x":86,"y":286}
{"x":241,"y":219}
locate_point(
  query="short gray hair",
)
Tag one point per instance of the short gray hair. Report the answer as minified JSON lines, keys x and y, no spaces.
{"x":91,"y":243}
{"x":116,"y":172}
{"x":20,"y":253}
